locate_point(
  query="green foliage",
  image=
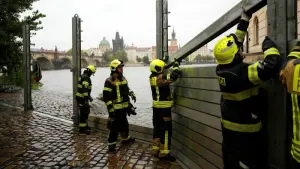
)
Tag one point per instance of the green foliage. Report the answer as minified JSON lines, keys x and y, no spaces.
{"x":146,"y":60}
{"x":11,"y":29}
{"x":121,"y":55}
{"x":11,"y":34}
{"x":138,"y":59}
{"x":107,"y":56}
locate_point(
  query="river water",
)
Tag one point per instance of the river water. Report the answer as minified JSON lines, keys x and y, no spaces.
{"x":60,"y":81}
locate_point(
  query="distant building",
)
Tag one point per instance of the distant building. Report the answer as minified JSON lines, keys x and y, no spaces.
{"x":103,"y":47}
{"x":118,"y":43}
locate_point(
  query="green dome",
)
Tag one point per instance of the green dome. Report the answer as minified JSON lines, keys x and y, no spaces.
{"x":104,"y":42}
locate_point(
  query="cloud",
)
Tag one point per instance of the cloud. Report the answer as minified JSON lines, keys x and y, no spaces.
{"x":134,"y":19}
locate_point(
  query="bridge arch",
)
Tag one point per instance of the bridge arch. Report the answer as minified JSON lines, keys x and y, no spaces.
{"x":66,"y":63}
{"x":44,"y":62}
{"x":97,"y":63}
{"x":84,"y":63}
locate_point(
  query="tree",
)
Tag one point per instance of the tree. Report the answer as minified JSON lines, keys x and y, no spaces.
{"x":11,"y":31}
{"x":138,"y":59}
{"x":121,"y":55}
{"x":146,"y":60}
{"x":198,"y":58}
{"x":107,"y":56}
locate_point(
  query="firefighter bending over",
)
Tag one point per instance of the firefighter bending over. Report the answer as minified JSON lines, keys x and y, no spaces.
{"x":238,"y":81}
{"x":83,"y":96}
{"x":290,"y":79}
{"x":162,"y":103}
{"x":116,"y":97}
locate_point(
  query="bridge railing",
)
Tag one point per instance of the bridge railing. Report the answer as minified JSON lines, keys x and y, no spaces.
{"x":197,"y":137}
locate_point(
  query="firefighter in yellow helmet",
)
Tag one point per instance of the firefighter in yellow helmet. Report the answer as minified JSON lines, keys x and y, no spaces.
{"x":83,"y":96}
{"x":162,"y":103}
{"x":238,"y":81}
{"x":116,"y":97}
{"x":290,"y":79}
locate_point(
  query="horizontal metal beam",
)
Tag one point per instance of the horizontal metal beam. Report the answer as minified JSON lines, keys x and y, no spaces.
{"x":221,"y":25}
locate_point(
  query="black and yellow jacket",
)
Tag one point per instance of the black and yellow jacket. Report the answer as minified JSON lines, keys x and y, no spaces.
{"x":116,"y":93}
{"x":239,"y":82}
{"x":84,"y":88}
{"x":161,"y":93}
{"x":290,"y":77}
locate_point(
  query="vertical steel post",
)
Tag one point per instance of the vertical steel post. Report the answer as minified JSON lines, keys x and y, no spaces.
{"x":159,"y":29}
{"x":28,"y":66}
{"x":25,"y":82}
{"x":75,"y":68}
{"x":277,"y":118}
{"x":79,"y":45}
{"x":165,"y":28}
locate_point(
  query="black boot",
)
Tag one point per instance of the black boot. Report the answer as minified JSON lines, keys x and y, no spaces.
{"x":130,"y":140}
{"x":167,"y":157}
{"x":112,"y":148}
{"x":84,"y":130}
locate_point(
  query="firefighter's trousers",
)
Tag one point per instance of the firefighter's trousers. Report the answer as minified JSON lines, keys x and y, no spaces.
{"x":118,"y":124}
{"x":162,"y":131}
{"x":83,"y":116}
{"x":243,"y":150}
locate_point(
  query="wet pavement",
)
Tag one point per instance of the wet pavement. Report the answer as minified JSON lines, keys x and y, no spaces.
{"x":60,"y":104}
{"x":33,"y":140}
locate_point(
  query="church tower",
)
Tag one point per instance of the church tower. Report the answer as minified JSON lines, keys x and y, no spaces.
{"x":173,"y":40}
{"x":118,"y":43}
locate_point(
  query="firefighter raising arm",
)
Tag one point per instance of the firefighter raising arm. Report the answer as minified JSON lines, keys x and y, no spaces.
{"x":269,"y":68}
{"x":165,"y":80}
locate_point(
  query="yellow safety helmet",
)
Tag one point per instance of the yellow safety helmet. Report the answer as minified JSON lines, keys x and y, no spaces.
{"x":226,"y":49}
{"x":115,"y":63}
{"x":157,"y":66}
{"x":91,"y":68}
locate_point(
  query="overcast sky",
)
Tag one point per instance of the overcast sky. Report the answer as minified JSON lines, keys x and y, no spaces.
{"x":134,"y":19}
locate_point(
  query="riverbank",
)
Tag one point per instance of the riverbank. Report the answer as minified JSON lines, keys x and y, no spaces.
{"x":61,"y":105}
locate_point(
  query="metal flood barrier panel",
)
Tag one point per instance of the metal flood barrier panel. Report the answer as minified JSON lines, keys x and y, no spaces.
{"x":197,"y":135}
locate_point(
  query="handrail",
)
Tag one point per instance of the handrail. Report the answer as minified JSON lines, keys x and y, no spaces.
{"x":221,"y":25}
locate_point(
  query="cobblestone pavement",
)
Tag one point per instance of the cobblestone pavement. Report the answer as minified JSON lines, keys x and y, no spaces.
{"x":33,"y":140}
{"x":61,"y":105}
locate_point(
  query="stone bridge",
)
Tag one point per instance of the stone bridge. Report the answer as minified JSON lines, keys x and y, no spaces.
{"x":61,"y":60}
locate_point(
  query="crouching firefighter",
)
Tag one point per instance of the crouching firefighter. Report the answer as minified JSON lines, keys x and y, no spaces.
{"x":241,"y":118}
{"x":290,"y":76}
{"x":83,"y":96}
{"x":162,"y":103}
{"x":116,"y":97}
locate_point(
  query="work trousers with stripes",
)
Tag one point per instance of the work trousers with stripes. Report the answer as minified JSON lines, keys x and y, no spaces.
{"x":118,"y":124}
{"x":162,"y":130}
{"x":243,"y":150}
{"x":84,"y":114}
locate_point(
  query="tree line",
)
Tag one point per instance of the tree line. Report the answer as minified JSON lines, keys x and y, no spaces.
{"x":11,"y":38}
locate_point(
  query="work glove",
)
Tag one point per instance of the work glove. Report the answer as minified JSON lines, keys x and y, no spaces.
{"x":267,"y":44}
{"x":132,"y":95}
{"x":91,"y":99}
{"x":131,"y":110}
{"x":176,"y":64}
{"x":166,"y":58}
{"x":244,"y":16}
